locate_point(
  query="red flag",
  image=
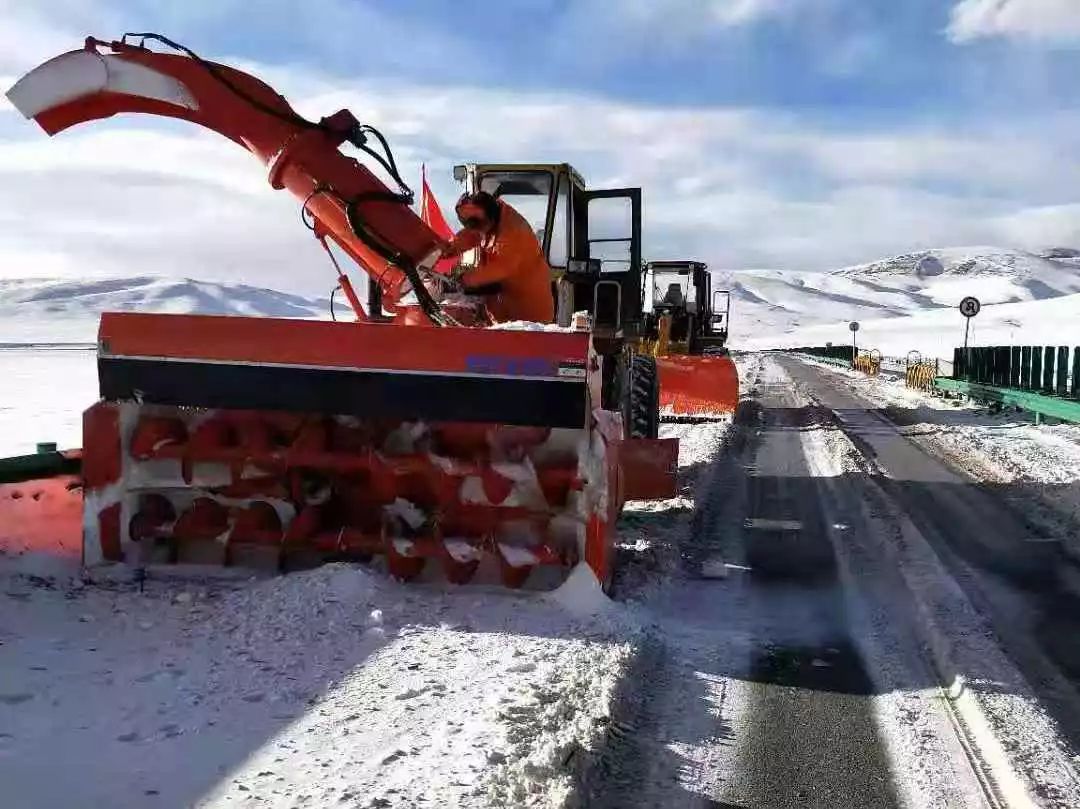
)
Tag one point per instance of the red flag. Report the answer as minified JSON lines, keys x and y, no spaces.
{"x":434,"y":219}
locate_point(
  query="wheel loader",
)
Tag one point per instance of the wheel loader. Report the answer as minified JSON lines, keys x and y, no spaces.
{"x":686,"y":330}
{"x":414,"y":434}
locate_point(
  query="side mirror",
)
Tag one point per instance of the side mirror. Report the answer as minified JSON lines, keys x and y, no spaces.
{"x":583,"y":266}
{"x":460,"y":173}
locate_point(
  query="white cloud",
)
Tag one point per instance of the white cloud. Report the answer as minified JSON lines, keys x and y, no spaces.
{"x":1047,"y":20}
{"x":1043,"y":226}
{"x":722,"y":13}
{"x":736,"y":187}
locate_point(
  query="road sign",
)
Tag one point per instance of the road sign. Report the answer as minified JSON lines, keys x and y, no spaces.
{"x":853,"y":325}
{"x":969,"y":306}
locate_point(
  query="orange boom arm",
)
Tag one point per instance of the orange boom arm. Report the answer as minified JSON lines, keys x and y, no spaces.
{"x":347,"y":202}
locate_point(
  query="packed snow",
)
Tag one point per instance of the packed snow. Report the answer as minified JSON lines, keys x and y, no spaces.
{"x":331,"y":687}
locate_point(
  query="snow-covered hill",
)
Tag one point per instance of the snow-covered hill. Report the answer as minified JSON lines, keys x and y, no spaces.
{"x":909,"y":301}
{"x":904,"y":302}
{"x":65,"y":310}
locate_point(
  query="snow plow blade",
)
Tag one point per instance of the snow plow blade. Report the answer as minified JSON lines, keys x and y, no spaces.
{"x":41,"y":505}
{"x":284,"y":443}
{"x":698,"y":385}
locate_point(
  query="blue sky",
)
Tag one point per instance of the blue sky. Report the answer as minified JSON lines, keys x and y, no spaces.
{"x":785,"y":133}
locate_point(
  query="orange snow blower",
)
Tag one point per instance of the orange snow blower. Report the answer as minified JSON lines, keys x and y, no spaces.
{"x":413,"y":434}
{"x":687,"y":331}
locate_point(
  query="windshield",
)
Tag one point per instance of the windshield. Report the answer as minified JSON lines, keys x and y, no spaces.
{"x":671,"y":288}
{"x":527,"y":192}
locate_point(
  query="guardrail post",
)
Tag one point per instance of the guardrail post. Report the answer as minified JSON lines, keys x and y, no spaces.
{"x":1048,"y":370}
{"x":1076,"y":373}
{"x":1062,"y":388}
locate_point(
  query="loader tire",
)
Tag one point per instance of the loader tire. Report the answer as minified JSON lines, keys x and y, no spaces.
{"x":641,"y":406}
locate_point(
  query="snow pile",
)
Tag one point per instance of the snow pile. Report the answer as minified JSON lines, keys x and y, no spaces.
{"x":331,"y":687}
{"x":581,"y":594}
{"x":529,"y":325}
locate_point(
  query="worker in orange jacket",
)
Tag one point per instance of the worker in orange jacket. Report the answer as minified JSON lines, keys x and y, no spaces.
{"x":512,"y":274}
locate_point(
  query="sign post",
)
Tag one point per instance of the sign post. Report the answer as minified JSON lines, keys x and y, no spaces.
{"x":854,"y":326}
{"x":969,"y":307}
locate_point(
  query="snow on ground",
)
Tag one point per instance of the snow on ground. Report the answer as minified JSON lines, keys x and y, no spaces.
{"x":331,"y":687}
{"x":42,"y":397}
{"x":1039,"y":463}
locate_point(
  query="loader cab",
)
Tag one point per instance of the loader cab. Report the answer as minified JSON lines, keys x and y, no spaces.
{"x":591,"y":238}
{"x":682,"y":292}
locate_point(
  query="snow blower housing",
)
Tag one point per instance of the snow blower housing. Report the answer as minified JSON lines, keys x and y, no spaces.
{"x":409,"y":434}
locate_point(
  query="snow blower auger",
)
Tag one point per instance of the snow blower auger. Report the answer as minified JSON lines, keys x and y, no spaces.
{"x":411,"y":434}
{"x":687,"y":333}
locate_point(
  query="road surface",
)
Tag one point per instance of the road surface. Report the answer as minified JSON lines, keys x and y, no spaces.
{"x":795,"y":663}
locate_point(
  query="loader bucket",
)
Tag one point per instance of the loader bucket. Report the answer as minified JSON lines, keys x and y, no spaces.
{"x":698,"y":385}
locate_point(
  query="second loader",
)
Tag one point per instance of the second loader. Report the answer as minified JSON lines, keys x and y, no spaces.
{"x":413,"y":434}
{"x":687,"y":334}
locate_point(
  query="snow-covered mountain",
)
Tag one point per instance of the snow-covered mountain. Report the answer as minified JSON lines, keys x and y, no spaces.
{"x":60,"y":310}
{"x":895,"y":298}
{"x":904,"y":302}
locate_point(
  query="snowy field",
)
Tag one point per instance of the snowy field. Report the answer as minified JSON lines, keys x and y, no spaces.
{"x":43,"y":394}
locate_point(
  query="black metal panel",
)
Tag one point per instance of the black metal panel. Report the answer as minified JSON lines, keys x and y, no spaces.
{"x":525,"y":402}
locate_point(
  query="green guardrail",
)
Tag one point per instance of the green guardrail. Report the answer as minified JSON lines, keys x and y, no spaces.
{"x":1042,"y":369}
{"x":827,"y":360}
{"x":47,"y":462}
{"x":1037,"y":403}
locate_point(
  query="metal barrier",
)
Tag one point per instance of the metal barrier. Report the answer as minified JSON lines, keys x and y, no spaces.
{"x":1044,"y":380}
{"x":1043,"y":369}
{"x":921,"y":375}
{"x":869,"y":362}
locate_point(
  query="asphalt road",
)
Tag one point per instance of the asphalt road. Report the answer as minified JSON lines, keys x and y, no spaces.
{"x":755,"y":695}
{"x":1008,"y":564}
